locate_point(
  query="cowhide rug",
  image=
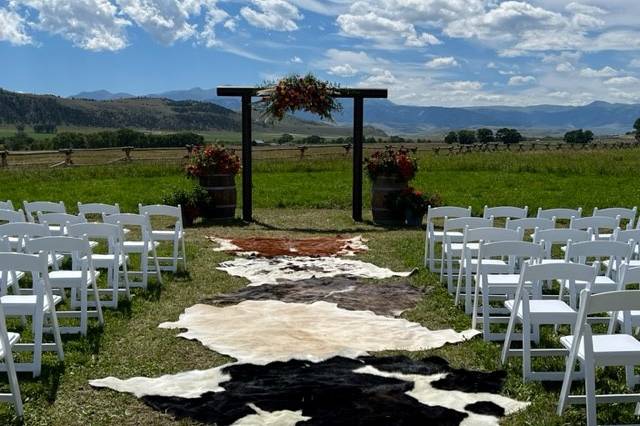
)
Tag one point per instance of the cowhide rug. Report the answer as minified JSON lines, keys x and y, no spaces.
{"x":271,"y":247}
{"x":260,"y":332}
{"x":386,"y":298}
{"x":338,"y":391}
{"x":261,"y":271}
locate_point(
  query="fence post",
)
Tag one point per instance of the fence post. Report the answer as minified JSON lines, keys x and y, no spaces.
{"x":451,"y":150}
{"x":68,"y":161}
{"x":436,"y":150}
{"x":3,"y":158}
{"x":127,"y":152}
{"x":347,"y":149}
{"x":302,"y":149}
{"x":414,"y":150}
{"x":189,"y":148}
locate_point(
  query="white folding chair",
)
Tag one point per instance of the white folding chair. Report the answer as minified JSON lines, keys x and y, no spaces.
{"x":95,"y":211}
{"x":629,"y":215}
{"x":559,"y":214}
{"x":145,"y":246}
{"x":530,"y":224}
{"x":39,"y":304}
{"x":6,"y":205}
{"x":175,"y":236}
{"x":604,"y":350}
{"x":452,"y":250}
{"x":32,"y":208}
{"x":7,"y":341}
{"x":18,"y":232}
{"x":586,"y":252}
{"x":469,"y":262}
{"x":491,"y":286}
{"x":505,"y":212}
{"x":11,"y":279}
{"x":550,"y":238}
{"x":59,"y":221}
{"x":628,"y":276}
{"x":433,"y":236}
{"x":531,"y":311}
{"x":631,"y":237}
{"x":79,"y":279}
{"x":9,"y":216}
{"x":597,"y":224}
{"x":113,"y":259}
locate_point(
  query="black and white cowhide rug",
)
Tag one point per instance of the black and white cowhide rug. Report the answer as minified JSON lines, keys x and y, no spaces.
{"x":386,"y":298}
{"x":338,"y":391}
{"x":260,"y":270}
{"x":263,"y":331}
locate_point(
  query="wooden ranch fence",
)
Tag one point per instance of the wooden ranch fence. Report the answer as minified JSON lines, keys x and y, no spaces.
{"x":177,"y":155}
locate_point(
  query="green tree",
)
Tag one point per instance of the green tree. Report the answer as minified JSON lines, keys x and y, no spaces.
{"x":467,"y":137}
{"x":452,"y":137}
{"x":509,"y":136}
{"x":485,"y":135}
{"x":636,"y":126}
{"x":578,"y":136}
{"x":313,"y":139}
{"x":285,"y":138}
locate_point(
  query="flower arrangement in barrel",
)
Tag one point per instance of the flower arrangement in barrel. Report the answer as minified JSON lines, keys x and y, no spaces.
{"x":212,"y":159}
{"x":392,"y":162}
{"x":300,"y":93}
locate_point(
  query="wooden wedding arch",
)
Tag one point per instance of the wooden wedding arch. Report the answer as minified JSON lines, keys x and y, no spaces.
{"x":358,"y":96}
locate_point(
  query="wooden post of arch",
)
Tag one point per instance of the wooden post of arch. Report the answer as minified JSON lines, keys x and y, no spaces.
{"x":358,"y":96}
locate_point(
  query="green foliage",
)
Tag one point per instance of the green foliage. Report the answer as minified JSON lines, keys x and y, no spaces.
{"x":579,"y":137}
{"x":485,"y":135}
{"x":451,"y":138}
{"x":123,"y":137}
{"x":47,"y":128}
{"x":636,"y":126}
{"x":285,"y":139}
{"x":313,"y":139}
{"x":509,"y":136}
{"x":466,"y":137}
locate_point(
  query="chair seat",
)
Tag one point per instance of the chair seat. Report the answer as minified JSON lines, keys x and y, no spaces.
{"x":601,"y":284}
{"x":547,"y":311}
{"x":19,"y":304}
{"x":456,"y":248}
{"x":632,"y":264}
{"x":609,"y":349}
{"x":58,"y":278}
{"x":106,"y":260}
{"x":138,"y":246}
{"x":18,"y":276}
{"x":634,"y":316}
{"x":552,"y":261}
{"x":13,"y":339}
{"x":439,"y":235}
{"x":166,"y":235}
{"x":504,"y":280}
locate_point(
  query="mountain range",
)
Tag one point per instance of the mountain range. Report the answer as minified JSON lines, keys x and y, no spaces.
{"x":600,"y":117}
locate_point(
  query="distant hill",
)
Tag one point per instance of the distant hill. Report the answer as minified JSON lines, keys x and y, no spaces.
{"x":102,"y":95}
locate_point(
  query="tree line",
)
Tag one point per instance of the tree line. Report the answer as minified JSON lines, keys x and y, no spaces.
{"x":469,"y":137}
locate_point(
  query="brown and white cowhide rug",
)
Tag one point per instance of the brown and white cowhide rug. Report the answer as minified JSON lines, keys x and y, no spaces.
{"x":338,"y":391}
{"x":259,"y":270}
{"x":260,"y":332}
{"x":386,"y":298}
{"x":272,"y":247}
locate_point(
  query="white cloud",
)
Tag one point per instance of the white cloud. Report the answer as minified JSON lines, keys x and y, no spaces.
{"x":443,"y":62}
{"x":166,"y":21}
{"x":88,"y":24}
{"x":635,"y":63}
{"x":565,"y":67}
{"x":276,"y":15}
{"x":462,"y":85}
{"x":622,"y":81}
{"x":379,"y":77}
{"x":13,"y":28}
{"x":296,"y":60}
{"x":520,"y":80}
{"x":345,"y":70}
{"x":601,"y":73}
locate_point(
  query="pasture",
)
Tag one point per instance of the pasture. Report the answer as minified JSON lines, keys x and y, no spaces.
{"x":301,"y":197}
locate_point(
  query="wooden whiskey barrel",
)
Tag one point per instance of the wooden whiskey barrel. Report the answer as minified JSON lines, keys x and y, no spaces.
{"x":383,"y":186}
{"x":222,"y":190}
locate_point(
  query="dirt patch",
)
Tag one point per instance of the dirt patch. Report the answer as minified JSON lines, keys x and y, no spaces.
{"x":311,"y":247}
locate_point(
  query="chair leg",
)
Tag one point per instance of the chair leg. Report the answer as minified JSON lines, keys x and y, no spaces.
{"x":14,"y":386}
{"x":566,"y":384}
{"x":467,"y":291}
{"x":526,"y":350}
{"x":590,"y":392}
{"x":176,"y":253}
{"x":38,"y":320}
{"x":157,"y":264}
{"x":56,"y":330}
{"x":474,"y":315}
{"x":184,"y":253}
{"x":96,"y":296}
{"x":83,"y":311}
{"x":486,"y":318}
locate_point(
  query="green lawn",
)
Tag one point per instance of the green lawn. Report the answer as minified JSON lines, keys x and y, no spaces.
{"x":301,"y":198}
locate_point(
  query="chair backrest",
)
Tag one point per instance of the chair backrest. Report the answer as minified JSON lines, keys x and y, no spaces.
{"x":616,"y":252}
{"x":140,"y":221}
{"x":62,"y":219}
{"x":559,"y":213}
{"x":5,"y":246}
{"x":98,"y":209}
{"x":610,"y":301}
{"x":447,"y":211}
{"x":505,"y":212}
{"x":517,"y":252}
{"x":624,"y":213}
{"x":163,"y":211}
{"x":595,"y":223}
{"x":31,"y":208}
{"x":550,"y":237}
{"x":21,"y":229}
{"x":460,"y":223}
{"x":35,"y":264}
{"x":6,"y":205}
{"x":79,"y":249}
{"x":531,"y":223}
{"x":7,"y":215}
{"x":490,"y":234}
{"x":628,"y":276}
{"x":107,"y":232}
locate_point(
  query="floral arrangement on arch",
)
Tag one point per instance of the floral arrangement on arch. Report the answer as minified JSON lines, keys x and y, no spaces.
{"x":212,"y":159}
{"x":392,"y":162}
{"x":300,"y":93}
{"x":413,"y":200}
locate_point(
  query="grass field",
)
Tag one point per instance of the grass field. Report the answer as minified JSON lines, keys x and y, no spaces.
{"x":302,"y":197}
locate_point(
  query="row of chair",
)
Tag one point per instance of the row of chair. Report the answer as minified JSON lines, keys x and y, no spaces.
{"x":587,"y":272}
{"x":37,"y":241}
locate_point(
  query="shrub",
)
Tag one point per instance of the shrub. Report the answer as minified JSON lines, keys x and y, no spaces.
{"x":485,"y":135}
{"x":579,"y":136}
{"x":466,"y":137}
{"x":452,"y":137}
{"x":509,"y":136}
{"x":391,"y":162}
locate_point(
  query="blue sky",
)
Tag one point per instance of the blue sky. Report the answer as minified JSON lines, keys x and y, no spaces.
{"x":427,"y":52}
